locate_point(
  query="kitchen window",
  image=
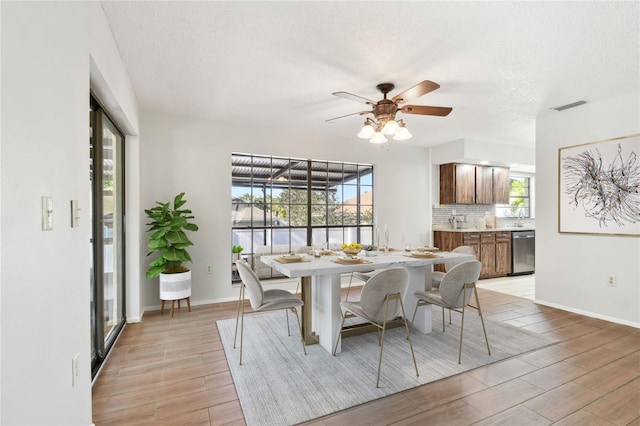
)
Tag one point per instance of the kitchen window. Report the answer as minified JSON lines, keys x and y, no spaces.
{"x":520,"y":196}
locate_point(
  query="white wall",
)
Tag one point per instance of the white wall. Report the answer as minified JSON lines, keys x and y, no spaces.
{"x":46,"y":53}
{"x":182,"y":154}
{"x":52,"y":53}
{"x":572,"y":269}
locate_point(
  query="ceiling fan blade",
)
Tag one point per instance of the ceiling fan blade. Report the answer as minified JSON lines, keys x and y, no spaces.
{"x":415,"y":92}
{"x":426,"y":110}
{"x":354,"y":113}
{"x":353,"y":97}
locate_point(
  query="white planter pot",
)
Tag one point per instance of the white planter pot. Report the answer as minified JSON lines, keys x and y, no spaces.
{"x":175,"y":286}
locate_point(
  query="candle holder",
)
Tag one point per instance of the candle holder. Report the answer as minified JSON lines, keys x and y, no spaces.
{"x":386,"y":241}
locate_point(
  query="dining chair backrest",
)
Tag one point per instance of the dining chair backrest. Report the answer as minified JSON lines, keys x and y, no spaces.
{"x":251,"y":282}
{"x":460,"y":250}
{"x":376,"y":289}
{"x":452,"y":284}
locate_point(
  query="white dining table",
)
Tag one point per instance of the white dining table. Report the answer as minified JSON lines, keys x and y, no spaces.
{"x":321,"y":283}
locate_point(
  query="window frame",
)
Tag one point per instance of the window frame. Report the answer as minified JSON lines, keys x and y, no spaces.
{"x":515,"y":208}
{"x":331,"y":199}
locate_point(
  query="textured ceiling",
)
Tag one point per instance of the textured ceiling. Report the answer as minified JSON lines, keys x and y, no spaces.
{"x":275,"y":64}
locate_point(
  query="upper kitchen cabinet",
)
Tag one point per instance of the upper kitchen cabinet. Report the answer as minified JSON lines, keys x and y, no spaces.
{"x":473,"y":184}
{"x":501,"y":185}
{"x":457,"y":184}
{"x":484,"y":185}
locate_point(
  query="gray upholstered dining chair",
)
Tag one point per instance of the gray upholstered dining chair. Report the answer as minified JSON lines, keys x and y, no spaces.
{"x":263,"y":300}
{"x":363,"y":276}
{"x":381,"y":302}
{"x":454,"y":293}
{"x":436,"y":276}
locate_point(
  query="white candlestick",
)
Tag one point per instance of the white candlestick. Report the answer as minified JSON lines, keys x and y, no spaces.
{"x":386,"y":238}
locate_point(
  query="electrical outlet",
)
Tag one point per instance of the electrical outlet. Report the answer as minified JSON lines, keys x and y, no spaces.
{"x":209,"y":269}
{"x":611,"y":282}
{"x":74,"y":369}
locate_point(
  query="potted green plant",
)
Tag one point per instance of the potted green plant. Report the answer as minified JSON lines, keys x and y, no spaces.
{"x":236,"y":250}
{"x":169,"y":239}
{"x":369,"y":249}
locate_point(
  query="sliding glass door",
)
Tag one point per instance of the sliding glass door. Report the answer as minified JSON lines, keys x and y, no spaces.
{"x":107,"y":239}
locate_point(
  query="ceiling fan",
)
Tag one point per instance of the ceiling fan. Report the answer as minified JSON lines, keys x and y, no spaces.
{"x":385,"y":110}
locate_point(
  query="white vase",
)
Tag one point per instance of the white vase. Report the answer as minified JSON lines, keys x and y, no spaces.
{"x":175,"y":286}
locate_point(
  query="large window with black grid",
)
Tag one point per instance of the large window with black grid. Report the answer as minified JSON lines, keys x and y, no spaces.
{"x":280,"y":204}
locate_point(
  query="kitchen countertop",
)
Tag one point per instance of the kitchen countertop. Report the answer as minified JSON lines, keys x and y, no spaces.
{"x":505,"y":229}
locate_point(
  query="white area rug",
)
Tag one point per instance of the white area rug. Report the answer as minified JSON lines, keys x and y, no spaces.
{"x":278,"y":385}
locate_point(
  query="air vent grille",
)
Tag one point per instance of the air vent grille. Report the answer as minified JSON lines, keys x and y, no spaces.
{"x":567,"y":106}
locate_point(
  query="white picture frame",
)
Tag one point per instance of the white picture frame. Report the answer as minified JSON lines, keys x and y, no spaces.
{"x":599,"y":187}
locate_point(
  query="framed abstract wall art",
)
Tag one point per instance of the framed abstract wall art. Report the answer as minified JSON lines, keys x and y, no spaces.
{"x":599,"y":187}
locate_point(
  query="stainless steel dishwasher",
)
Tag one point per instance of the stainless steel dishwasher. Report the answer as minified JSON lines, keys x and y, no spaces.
{"x":523,"y":252}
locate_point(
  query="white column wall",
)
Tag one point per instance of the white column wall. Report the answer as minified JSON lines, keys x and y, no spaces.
{"x":572,"y":269}
{"x":46,"y":53}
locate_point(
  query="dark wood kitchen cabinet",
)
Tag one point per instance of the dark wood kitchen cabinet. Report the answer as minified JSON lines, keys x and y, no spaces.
{"x":457,"y":184}
{"x":493,"y":249}
{"x":503,"y":253}
{"x":472,"y":239}
{"x":484,"y":185}
{"x":495,"y":254}
{"x":501,"y":185}
{"x":473,"y":184}
{"x":488,"y":254}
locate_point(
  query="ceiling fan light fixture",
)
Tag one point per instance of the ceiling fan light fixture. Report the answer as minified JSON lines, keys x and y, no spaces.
{"x":378,"y":138}
{"x":402,"y":134}
{"x":384,"y":111}
{"x":367,"y":131}
{"x":391,"y":127}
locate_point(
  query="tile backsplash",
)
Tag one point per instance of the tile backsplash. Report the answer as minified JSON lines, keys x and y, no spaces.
{"x":441,"y":215}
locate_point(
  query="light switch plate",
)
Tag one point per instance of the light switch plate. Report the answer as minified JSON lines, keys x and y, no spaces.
{"x":75,"y":372}
{"x":75,"y":213}
{"x":47,"y":213}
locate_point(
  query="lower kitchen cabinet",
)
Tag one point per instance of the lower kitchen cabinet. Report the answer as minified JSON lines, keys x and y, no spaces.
{"x":471,"y":239}
{"x":493,"y":249}
{"x":488,"y":254}
{"x":503,"y":253}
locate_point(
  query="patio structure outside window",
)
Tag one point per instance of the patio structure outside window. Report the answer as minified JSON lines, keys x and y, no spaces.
{"x":281,"y":204}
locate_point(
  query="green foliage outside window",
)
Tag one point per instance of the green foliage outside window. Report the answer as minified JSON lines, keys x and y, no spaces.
{"x":517,"y":193}
{"x":519,"y":199}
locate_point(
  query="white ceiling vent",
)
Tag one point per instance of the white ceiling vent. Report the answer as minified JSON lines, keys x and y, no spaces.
{"x":567,"y":106}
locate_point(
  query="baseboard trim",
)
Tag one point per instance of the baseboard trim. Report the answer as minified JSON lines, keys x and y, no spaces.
{"x":588,"y":314}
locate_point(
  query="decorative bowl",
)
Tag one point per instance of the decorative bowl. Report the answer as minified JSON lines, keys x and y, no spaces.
{"x":352,"y":252}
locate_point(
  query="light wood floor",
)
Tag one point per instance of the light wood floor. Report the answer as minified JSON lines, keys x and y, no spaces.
{"x":520,"y":286}
{"x":173,"y":371}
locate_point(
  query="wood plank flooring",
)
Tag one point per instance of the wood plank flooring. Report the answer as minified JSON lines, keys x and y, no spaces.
{"x":173,"y":371}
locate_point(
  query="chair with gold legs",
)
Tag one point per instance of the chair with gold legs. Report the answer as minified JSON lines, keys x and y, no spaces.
{"x":454,"y":293}
{"x":381,"y":302}
{"x":263,"y":300}
{"x":436,"y":276}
